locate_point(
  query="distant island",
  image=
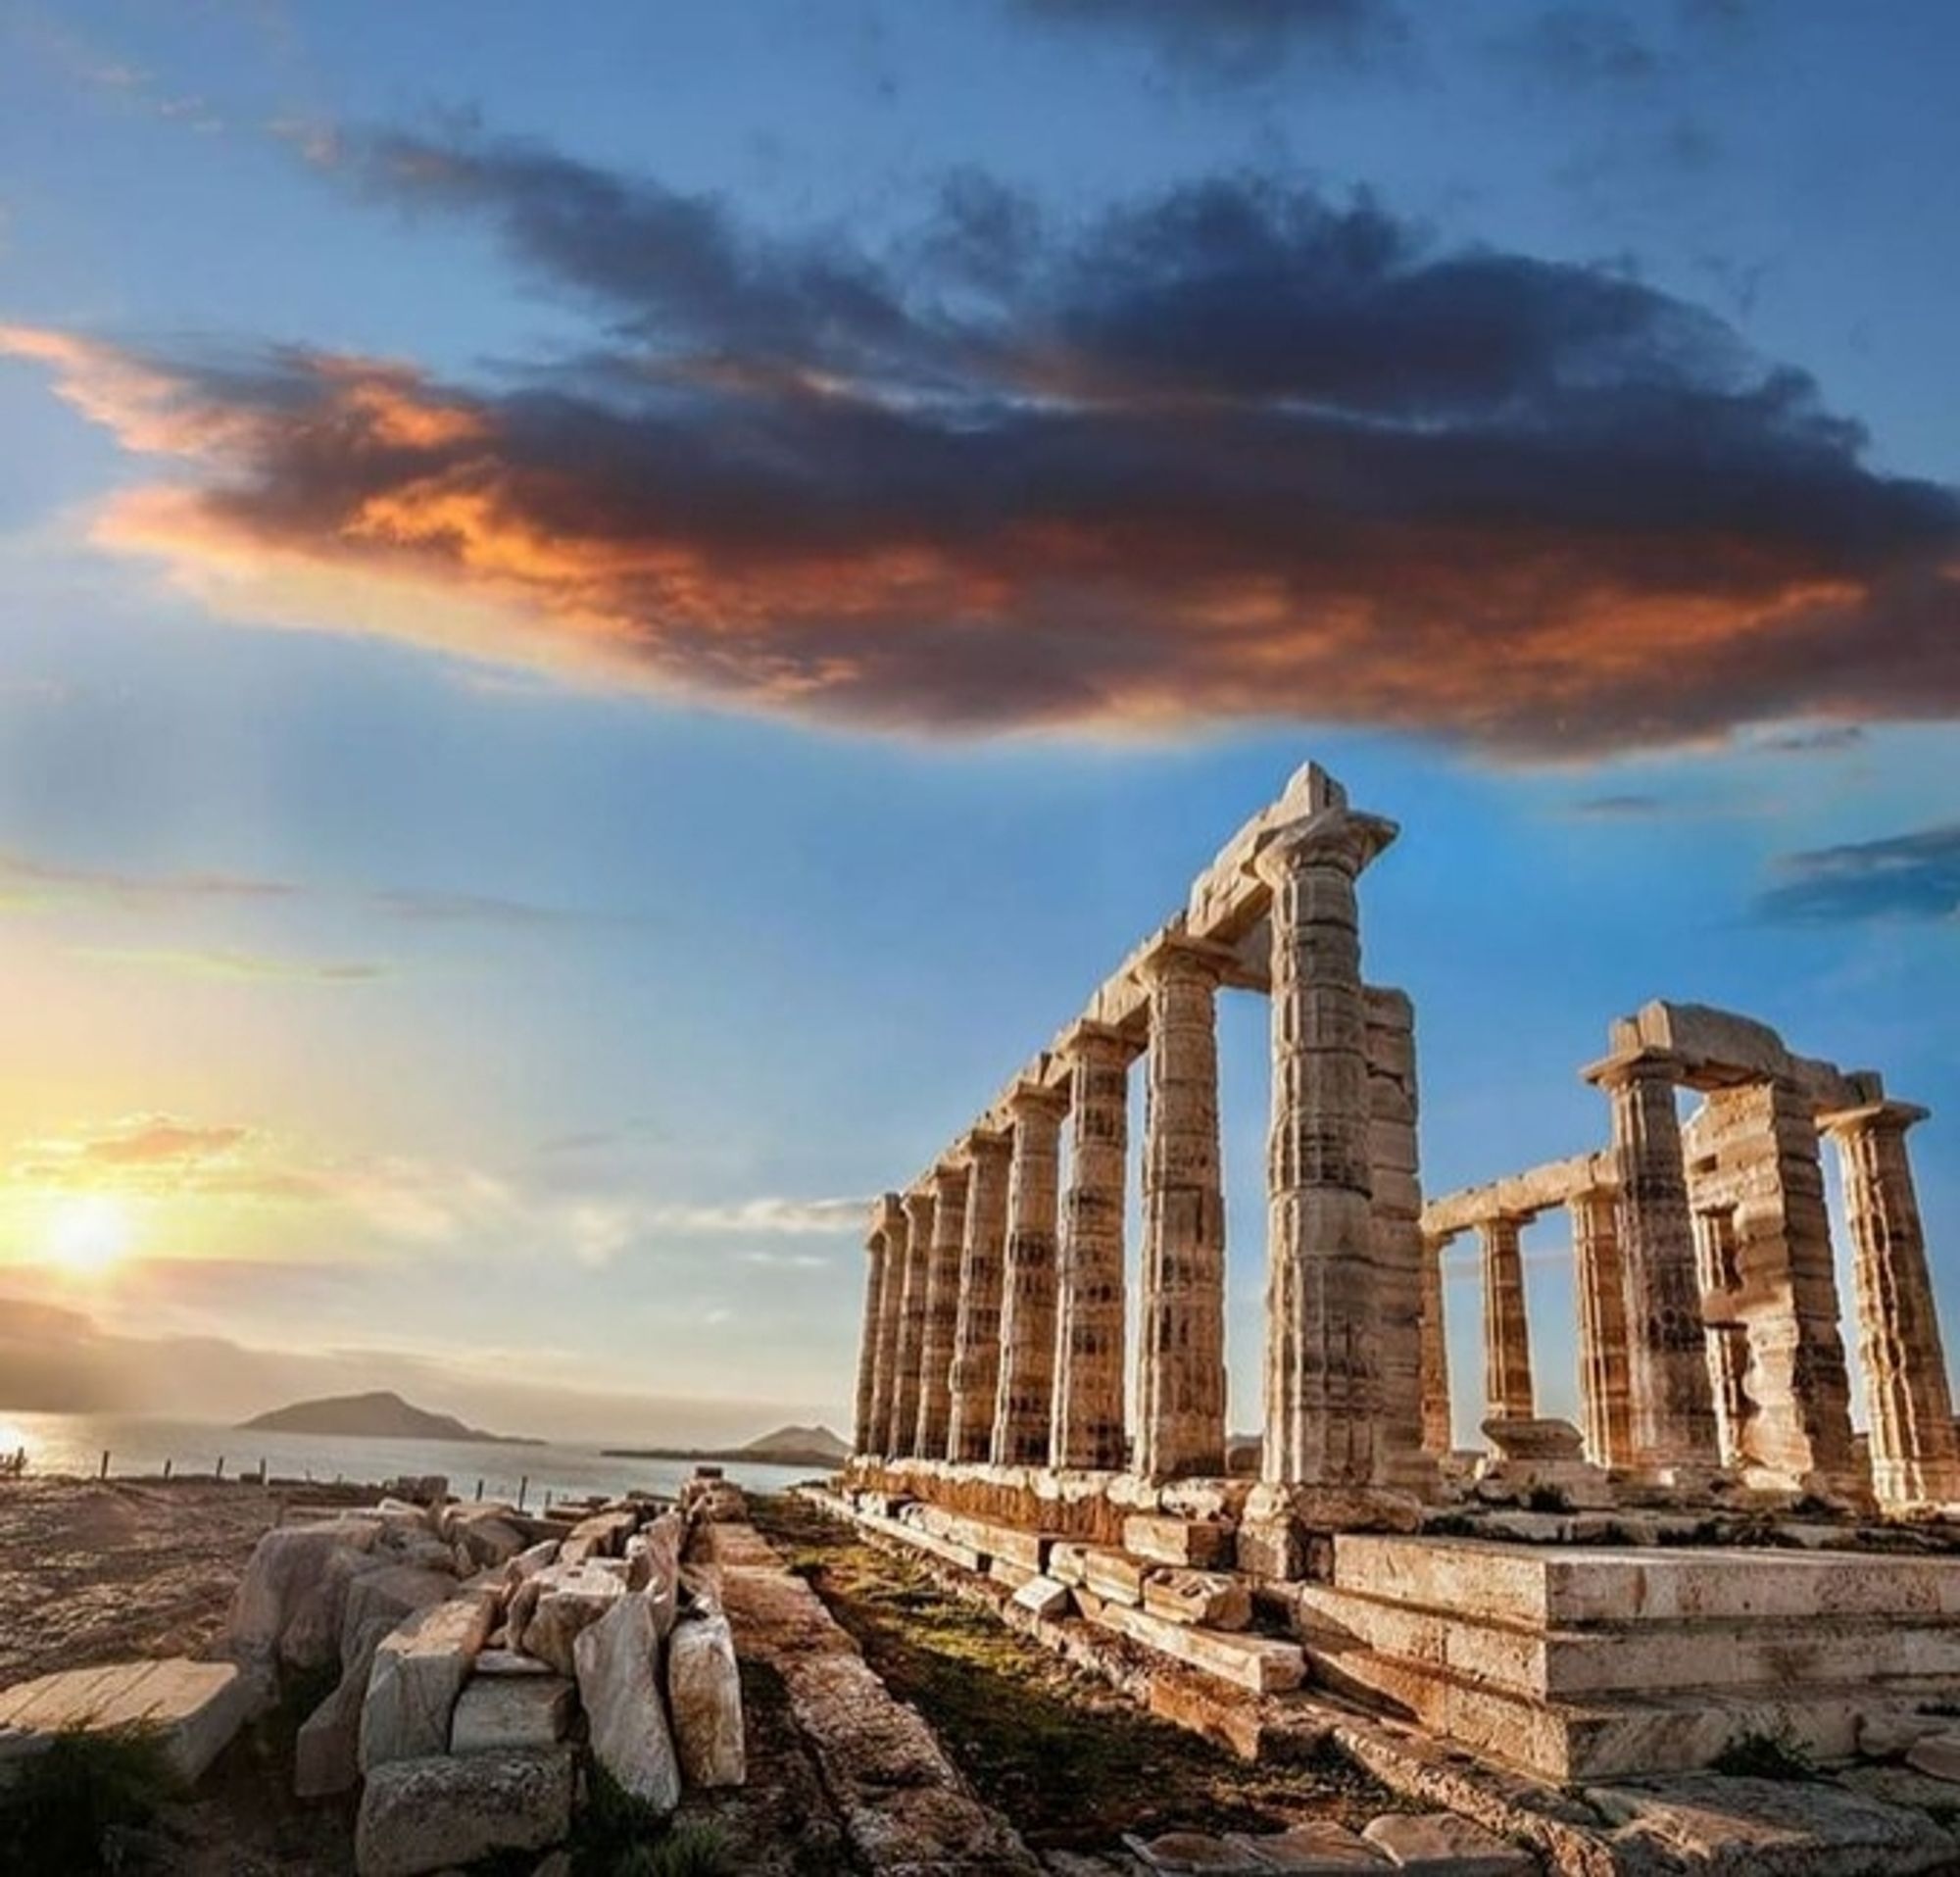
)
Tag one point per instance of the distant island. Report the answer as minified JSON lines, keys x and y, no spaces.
{"x":785,"y":1447}
{"x":381,"y":1416}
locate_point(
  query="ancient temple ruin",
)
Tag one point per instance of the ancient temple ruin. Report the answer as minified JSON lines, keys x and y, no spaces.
{"x":1004,"y":1421}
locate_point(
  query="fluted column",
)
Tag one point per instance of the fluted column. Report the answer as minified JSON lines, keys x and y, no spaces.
{"x":1438,"y":1423}
{"x":1673,"y":1406}
{"x":906,"y":1390}
{"x":1602,"y":1330}
{"x":942,"y":1308}
{"x":892,"y":1227}
{"x":976,"y":1332}
{"x":1507,"y":1362}
{"x":1088,"y":1429}
{"x":1908,"y":1399}
{"x":1022,"y":1409}
{"x":862,"y":1439}
{"x":1323,"y":1399}
{"x":1181,"y":1368}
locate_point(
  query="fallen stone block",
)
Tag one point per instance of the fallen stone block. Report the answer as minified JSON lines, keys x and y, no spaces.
{"x":1320,"y":1848}
{"x":511,"y":1661}
{"x":1704,"y":1821}
{"x":289,"y":1601}
{"x":1068,"y":1562}
{"x":1113,"y":1576}
{"x":1215,"y":1600}
{"x":489,"y":1540}
{"x":564,"y":1599}
{"x":1885,"y":1736}
{"x":418,"y":1671}
{"x":1162,"y":1540}
{"x":194,"y":1708}
{"x":1194,"y":1854}
{"x":495,"y":1713}
{"x":1938,"y":1755}
{"x":1443,"y":1845}
{"x":1264,"y":1663}
{"x":1043,"y":1597}
{"x":419,"y":1816}
{"x":617,"y":1683}
{"x":705,"y":1699}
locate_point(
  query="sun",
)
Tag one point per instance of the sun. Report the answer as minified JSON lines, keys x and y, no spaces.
{"x":86,"y":1236}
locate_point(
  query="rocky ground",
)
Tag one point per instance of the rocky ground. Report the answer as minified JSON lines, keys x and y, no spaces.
{"x":1072,"y":1765}
{"x":93,"y":1571}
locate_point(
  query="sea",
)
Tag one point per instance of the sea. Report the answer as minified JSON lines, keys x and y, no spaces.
{"x":140,"y":1448}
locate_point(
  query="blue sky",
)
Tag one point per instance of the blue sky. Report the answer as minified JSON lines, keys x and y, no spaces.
{"x":462,"y":937}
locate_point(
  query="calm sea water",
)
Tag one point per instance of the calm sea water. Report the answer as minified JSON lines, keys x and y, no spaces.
{"x":137,"y":1448}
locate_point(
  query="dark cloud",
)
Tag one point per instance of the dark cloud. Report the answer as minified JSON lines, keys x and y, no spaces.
{"x":1904,"y":876}
{"x":1579,"y":46}
{"x":1620,"y":807}
{"x":1231,"y":452}
{"x":1235,"y":41}
{"x":1815,"y":739}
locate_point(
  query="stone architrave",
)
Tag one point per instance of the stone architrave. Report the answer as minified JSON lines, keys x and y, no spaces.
{"x":1322,"y":1380}
{"x":1022,"y":1409}
{"x":862,"y":1439}
{"x":941,"y":1309}
{"x":976,"y":1332}
{"x":890,"y":1226}
{"x":1507,"y":1364}
{"x":907,"y":1363}
{"x":1181,"y":1371}
{"x":1673,"y":1405}
{"x":1438,"y":1420}
{"x":1908,"y":1399}
{"x":1088,"y":1429}
{"x":1603,"y":1329}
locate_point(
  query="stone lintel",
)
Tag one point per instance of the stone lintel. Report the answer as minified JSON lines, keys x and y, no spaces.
{"x":1722,"y":1049}
{"x":1624,"y":1063}
{"x":1520,"y":1196}
{"x":1886,"y":1114}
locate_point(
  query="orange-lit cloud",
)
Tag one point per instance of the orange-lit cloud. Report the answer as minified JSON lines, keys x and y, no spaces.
{"x":1232,"y":453}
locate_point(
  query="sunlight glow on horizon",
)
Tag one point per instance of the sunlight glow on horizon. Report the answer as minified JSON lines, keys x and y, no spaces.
{"x":87,"y":1236}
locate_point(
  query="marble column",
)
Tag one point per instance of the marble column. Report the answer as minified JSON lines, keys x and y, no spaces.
{"x":1673,"y":1406}
{"x":1603,"y":1329}
{"x":1507,"y":1361}
{"x":1322,"y":1385}
{"x":942,"y":1308}
{"x":1438,"y":1420}
{"x":912,"y":1324}
{"x":862,"y":1441}
{"x":1908,"y":1400}
{"x":893,"y":1228}
{"x":1394,"y":1190}
{"x":1180,"y":1327}
{"x":976,"y":1332}
{"x":1024,"y":1404}
{"x":1089,"y":1366}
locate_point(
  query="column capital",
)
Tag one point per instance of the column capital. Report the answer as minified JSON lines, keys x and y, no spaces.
{"x":1873,"y":1118}
{"x":1504,"y":1216}
{"x":1632,"y":1065}
{"x":1032,"y":1097}
{"x":1335,"y":836}
{"x":1086,"y":1037}
{"x":918,"y":1198}
{"x":1175,"y":954}
{"x":885,"y":1215}
{"x":981,"y":1142}
{"x":948,"y":1175}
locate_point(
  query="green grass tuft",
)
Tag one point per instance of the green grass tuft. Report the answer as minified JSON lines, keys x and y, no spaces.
{"x":60,"y":1808}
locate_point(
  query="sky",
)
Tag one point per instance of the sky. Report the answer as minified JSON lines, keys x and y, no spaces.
{"x":606,"y":622}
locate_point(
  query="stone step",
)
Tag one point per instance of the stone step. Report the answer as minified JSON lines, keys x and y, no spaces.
{"x":1265,"y":1665}
{"x":1607,"y":1736}
{"x":1633,"y":1657}
{"x":1566,"y":1587}
{"x":195,"y":1708}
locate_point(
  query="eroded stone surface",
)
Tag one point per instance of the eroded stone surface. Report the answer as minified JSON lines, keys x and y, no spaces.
{"x":497,"y":1712}
{"x":1443,"y":1845}
{"x":619,"y":1685}
{"x":704,"y":1700}
{"x":432,"y":1815}
{"x":418,"y":1671}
